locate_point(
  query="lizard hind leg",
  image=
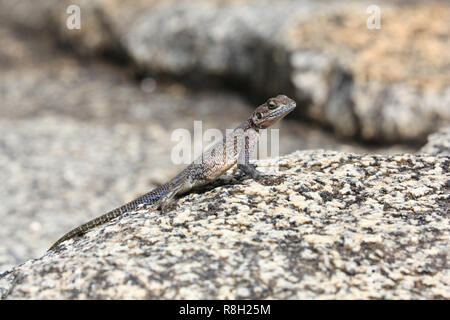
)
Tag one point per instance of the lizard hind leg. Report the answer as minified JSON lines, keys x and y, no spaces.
{"x":168,"y":199}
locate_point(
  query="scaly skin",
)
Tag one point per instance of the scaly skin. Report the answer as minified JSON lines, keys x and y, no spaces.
{"x":237,"y":147}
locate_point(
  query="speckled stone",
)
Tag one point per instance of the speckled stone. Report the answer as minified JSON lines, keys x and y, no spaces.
{"x":326,"y":225}
{"x":438,"y":143}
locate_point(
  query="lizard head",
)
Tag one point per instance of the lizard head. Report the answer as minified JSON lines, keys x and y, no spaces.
{"x":271,"y":111}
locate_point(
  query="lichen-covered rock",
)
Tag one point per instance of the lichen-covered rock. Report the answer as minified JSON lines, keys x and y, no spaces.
{"x":393,"y":81}
{"x":325,"y":225}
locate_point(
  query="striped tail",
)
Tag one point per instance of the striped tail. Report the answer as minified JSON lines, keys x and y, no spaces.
{"x":148,"y":198}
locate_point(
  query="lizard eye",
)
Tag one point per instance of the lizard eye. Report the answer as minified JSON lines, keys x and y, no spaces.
{"x":272,"y":105}
{"x":259,"y":115}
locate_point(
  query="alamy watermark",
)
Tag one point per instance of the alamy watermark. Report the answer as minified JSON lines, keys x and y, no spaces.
{"x":73,"y":21}
{"x":374,"y":20}
{"x":227,"y":148}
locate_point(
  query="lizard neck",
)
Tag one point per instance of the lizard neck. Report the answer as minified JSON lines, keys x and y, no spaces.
{"x":250,"y":125}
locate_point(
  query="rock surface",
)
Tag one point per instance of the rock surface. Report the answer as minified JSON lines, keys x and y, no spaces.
{"x":389,"y":84}
{"x":438,"y":143}
{"x":326,"y":225}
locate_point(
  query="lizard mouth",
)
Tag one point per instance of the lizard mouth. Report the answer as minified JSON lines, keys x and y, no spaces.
{"x":283,"y":111}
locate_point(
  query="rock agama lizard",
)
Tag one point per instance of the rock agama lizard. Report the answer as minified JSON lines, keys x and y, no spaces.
{"x":236,"y":147}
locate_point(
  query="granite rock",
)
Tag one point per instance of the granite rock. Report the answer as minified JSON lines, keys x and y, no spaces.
{"x":325,"y":225}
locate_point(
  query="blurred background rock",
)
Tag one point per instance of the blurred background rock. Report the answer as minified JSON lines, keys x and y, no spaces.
{"x":86,"y":115}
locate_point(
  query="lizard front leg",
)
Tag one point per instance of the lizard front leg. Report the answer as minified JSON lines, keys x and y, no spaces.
{"x":250,"y":142}
{"x":249,"y":170}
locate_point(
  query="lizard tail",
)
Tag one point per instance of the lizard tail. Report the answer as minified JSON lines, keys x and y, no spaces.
{"x":148,"y":198}
{"x":88,"y":226}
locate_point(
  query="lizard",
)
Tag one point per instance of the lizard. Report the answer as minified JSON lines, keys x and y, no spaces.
{"x":236,"y":147}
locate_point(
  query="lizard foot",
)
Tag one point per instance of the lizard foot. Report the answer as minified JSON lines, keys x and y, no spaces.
{"x":165,"y":206}
{"x":264,"y":179}
{"x":250,"y":170}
